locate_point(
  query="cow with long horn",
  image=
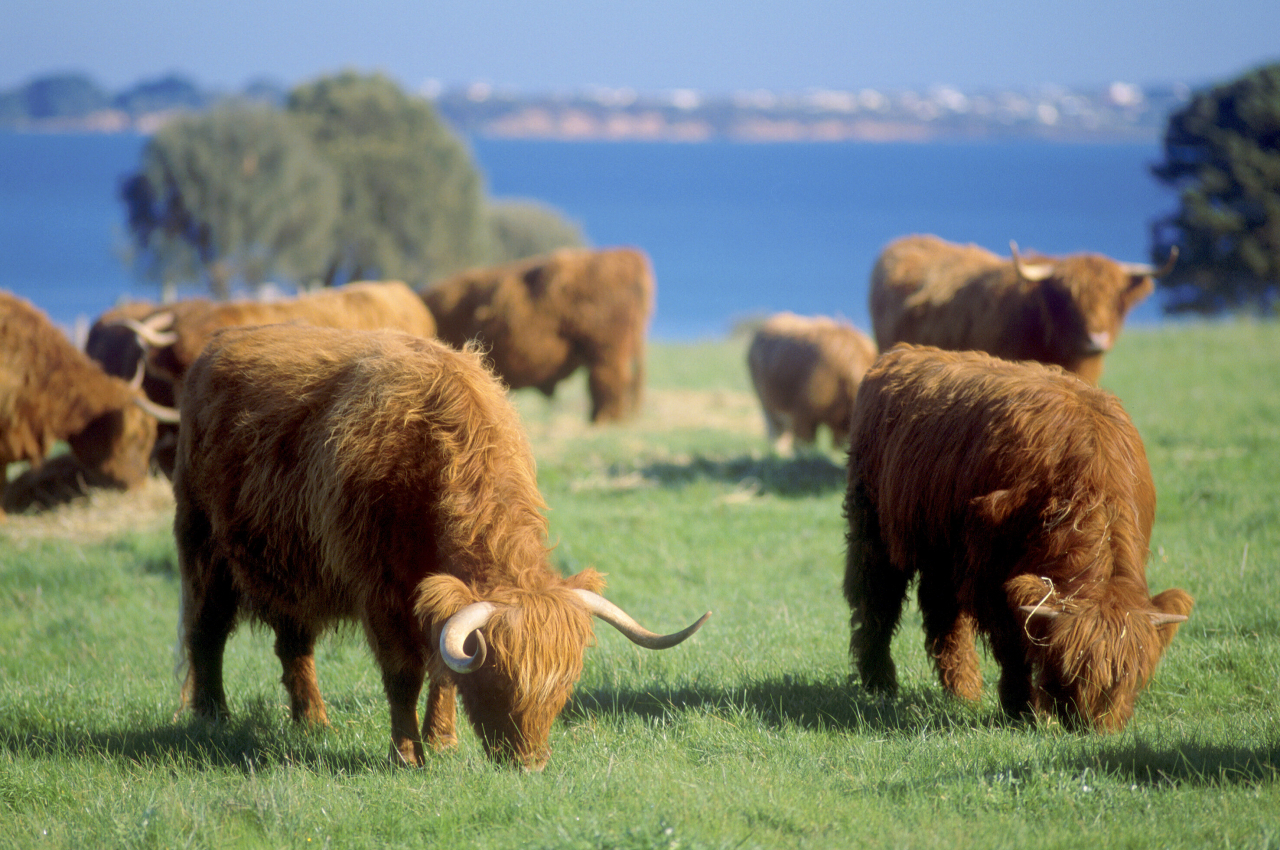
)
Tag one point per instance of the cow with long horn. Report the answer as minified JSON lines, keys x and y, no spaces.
{"x":377,"y":477}
{"x":1065,"y":311}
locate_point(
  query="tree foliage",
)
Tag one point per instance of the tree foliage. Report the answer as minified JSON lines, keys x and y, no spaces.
{"x":519,"y":229}
{"x":235,"y":194}
{"x":412,"y":200}
{"x":1222,"y":151}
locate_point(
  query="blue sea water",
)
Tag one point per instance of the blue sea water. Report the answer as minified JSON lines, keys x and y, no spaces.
{"x":734,"y":230}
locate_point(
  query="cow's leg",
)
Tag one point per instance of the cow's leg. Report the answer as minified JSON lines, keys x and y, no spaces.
{"x":209,"y":615}
{"x":295,"y":646}
{"x":1009,"y":649}
{"x":875,"y":590}
{"x":949,"y":638}
{"x":397,"y":643}
{"x":439,"y":727}
{"x":611,"y":375}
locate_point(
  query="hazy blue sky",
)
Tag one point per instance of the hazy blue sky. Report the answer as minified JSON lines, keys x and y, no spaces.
{"x":647,"y":45}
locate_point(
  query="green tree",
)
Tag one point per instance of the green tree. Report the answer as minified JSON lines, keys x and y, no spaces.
{"x":519,"y":229}
{"x":235,"y":194}
{"x":1222,"y":152}
{"x":412,"y":199}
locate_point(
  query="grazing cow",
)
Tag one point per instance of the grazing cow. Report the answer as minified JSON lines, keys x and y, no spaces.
{"x":1021,"y":498}
{"x":50,"y":391}
{"x":1066,"y":311}
{"x":806,"y":373}
{"x":542,"y":318}
{"x":377,"y":477}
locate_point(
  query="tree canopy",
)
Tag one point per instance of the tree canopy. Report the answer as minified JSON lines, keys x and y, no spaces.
{"x":412,"y":199}
{"x":1222,"y":152}
{"x":525,"y":228}
{"x":235,"y":194}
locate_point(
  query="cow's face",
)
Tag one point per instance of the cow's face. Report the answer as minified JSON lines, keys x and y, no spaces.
{"x":1085,"y":300}
{"x":117,"y":444}
{"x":1094,"y":658}
{"x":534,"y":643}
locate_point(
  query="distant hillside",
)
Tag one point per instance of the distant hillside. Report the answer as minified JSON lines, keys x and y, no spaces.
{"x":1120,"y":111}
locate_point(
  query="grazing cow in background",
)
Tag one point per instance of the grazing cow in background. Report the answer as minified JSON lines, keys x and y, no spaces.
{"x":1021,"y":498}
{"x":540,"y":319}
{"x":1065,"y":311}
{"x":377,"y":477}
{"x":50,"y":391}
{"x":806,"y":372}
{"x":174,"y":335}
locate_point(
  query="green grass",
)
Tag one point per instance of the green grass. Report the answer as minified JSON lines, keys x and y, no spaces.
{"x":748,"y":735}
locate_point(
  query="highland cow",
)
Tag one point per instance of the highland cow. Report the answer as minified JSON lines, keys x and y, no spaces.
{"x":50,"y":391}
{"x":1064,"y":311}
{"x":543,"y":318}
{"x":1021,"y":499}
{"x":806,"y":372}
{"x":381,"y":478}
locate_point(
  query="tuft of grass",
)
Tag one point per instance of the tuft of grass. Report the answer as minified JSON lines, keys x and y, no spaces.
{"x":751,"y":734}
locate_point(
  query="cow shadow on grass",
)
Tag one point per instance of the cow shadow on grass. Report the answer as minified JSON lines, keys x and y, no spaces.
{"x":808,"y":474}
{"x":928,"y":711}
{"x":252,"y":739}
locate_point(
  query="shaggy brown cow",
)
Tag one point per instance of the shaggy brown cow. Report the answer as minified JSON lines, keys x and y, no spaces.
{"x":1065,"y":311}
{"x":542,"y":318}
{"x":1022,"y":499}
{"x":806,"y":373}
{"x":50,"y":391}
{"x":327,"y":476}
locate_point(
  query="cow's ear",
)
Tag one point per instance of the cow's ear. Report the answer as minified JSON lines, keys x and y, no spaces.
{"x":440,"y":597}
{"x":1034,"y":596}
{"x":1172,"y":607}
{"x":588,"y":579}
{"x":994,"y":507}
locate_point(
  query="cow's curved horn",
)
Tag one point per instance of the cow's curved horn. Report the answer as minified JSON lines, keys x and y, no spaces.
{"x":168,"y":415}
{"x":153,"y":334}
{"x":1160,"y":618}
{"x":1039,"y":612}
{"x":1033,"y":273}
{"x":1148,"y":270}
{"x":636,"y":633}
{"x":453,"y":637}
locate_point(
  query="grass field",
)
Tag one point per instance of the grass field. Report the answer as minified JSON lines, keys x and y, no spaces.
{"x":748,"y":735}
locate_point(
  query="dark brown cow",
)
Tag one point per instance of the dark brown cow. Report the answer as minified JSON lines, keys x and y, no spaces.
{"x":377,"y":477}
{"x":1066,"y":311}
{"x":1021,"y":498}
{"x":806,"y":371}
{"x":540,"y":319}
{"x":50,"y":391}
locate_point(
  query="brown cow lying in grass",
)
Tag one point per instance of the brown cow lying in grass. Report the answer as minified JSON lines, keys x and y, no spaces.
{"x":541,"y":319}
{"x":50,"y":391}
{"x":1021,"y":498}
{"x":376,"y":477}
{"x":806,"y":371}
{"x":1066,"y":311}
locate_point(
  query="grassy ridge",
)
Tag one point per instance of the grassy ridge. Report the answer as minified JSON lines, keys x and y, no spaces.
{"x":748,"y":735}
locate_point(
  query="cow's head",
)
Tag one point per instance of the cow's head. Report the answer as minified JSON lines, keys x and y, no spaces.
{"x":1092,"y":657}
{"x":1083,"y":301}
{"x":118,"y":442}
{"x":516,"y":654}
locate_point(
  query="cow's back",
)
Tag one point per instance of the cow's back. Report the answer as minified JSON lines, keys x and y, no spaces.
{"x":964,"y":425}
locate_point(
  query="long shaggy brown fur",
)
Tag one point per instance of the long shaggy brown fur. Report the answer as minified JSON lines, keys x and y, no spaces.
{"x":50,"y":391}
{"x":543,"y":318}
{"x":1021,"y":499}
{"x":806,"y":371}
{"x":962,"y":297}
{"x":327,"y":476}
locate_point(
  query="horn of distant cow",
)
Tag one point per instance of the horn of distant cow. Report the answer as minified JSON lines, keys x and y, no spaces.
{"x":1148,"y":270}
{"x":1033,"y":273}
{"x":152,"y":330}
